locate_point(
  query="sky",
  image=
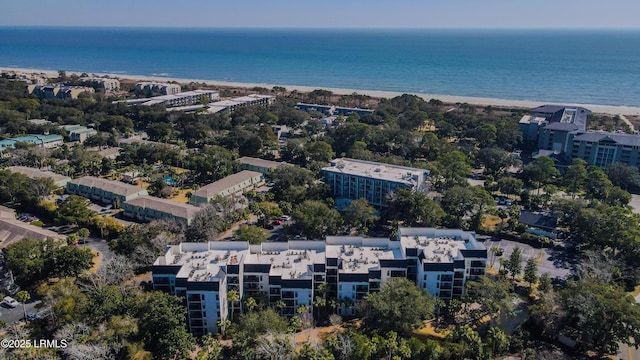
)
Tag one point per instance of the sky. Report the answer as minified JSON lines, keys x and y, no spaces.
{"x":491,"y":14}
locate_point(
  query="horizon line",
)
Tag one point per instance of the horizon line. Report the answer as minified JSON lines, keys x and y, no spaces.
{"x":153,"y":27}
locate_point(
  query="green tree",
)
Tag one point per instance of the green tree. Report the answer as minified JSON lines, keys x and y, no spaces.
{"x":27,"y":258}
{"x":453,"y":168}
{"x":485,"y":134}
{"x":497,"y":340}
{"x":576,"y":176}
{"x":162,"y":320}
{"x":22,"y":297}
{"x":233,"y":297}
{"x":413,"y":208}
{"x":531,"y":272}
{"x":624,"y":176}
{"x":252,"y":234}
{"x":540,"y":172}
{"x":597,"y":184}
{"x":470,"y":340}
{"x":69,"y":261}
{"x":601,"y":315}
{"x":489,"y":296}
{"x":494,"y":160}
{"x":84,"y":233}
{"x":360,"y":214}
{"x":399,"y":306}
{"x":210,"y":348}
{"x":250,"y":303}
{"x":315,"y":219}
{"x":545,"y":284}
{"x":74,"y":210}
{"x":514,"y":264}
{"x":510,"y":185}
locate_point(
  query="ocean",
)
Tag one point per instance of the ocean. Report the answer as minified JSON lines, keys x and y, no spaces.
{"x":578,"y":66}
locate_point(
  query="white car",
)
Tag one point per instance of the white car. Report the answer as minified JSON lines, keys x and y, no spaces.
{"x":10,"y":302}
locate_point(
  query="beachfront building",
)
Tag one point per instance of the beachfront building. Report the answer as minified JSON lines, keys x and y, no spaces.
{"x":259,"y":165}
{"x":180,"y":99}
{"x":33,"y":173}
{"x":103,"y":83}
{"x":103,"y":190}
{"x":438,"y":260}
{"x":231,"y":105}
{"x":330,"y":110}
{"x":352,"y":179}
{"x":58,"y":91}
{"x":228,"y":186}
{"x":604,"y":148}
{"x":42,"y":141}
{"x":547,"y":125}
{"x":157,"y":87}
{"x":149,"y":208}
{"x":79,"y":133}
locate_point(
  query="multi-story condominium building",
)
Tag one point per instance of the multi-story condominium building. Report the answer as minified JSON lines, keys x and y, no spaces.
{"x":331,"y":110}
{"x":43,"y":141}
{"x":603,"y":148}
{"x":544,"y":123}
{"x":33,"y":173}
{"x":103,"y":190}
{"x":103,"y":83}
{"x":259,"y":165}
{"x":163,"y":88}
{"x":148,"y":208}
{"x":352,"y":179}
{"x":230,"y":185}
{"x":50,"y":91}
{"x":180,"y":99}
{"x":291,"y":274}
{"x":231,"y":105}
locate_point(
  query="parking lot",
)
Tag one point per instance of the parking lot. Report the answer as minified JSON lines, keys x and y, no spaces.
{"x":556,"y":263}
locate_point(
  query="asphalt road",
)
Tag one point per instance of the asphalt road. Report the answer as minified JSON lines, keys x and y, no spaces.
{"x":97,"y":244}
{"x":10,"y":316}
{"x":628,"y":353}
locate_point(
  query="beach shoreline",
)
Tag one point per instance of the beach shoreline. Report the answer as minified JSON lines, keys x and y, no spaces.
{"x":452,"y":99}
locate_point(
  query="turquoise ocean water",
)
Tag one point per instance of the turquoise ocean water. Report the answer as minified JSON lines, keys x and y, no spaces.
{"x":587,"y":66}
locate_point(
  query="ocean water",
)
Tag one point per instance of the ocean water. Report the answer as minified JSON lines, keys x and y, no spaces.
{"x":589,"y":66}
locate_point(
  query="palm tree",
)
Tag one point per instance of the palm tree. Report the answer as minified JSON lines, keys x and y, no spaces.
{"x":233,"y":297}
{"x":250,"y":303}
{"x":22,"y":297}
{"x":223,"y":324}
{"x":279,"y":305}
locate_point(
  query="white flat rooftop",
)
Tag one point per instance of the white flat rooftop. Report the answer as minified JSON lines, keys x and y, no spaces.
{"x":289,"y":264}
{"x":399,"y":174}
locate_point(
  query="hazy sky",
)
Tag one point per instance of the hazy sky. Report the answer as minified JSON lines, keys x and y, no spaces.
{"x":325,"y":13}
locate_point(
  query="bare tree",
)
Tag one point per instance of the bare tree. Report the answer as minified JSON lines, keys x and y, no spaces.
{"x":276,"y":346}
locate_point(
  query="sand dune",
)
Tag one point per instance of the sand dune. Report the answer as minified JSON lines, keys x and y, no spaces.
{"x":602,"y":109}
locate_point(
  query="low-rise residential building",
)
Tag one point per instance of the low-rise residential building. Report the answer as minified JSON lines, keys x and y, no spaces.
{"x":33,"y":173}
{"x":12,"y":230}
{"x":291,"y":273}
{"x":259,"y":165}
{"x":79,"y":133}
{"x":43,"y":141}
{"x":110,"y":153}
{"x":59,"y":91}
{"x":149,"y":208}
{"x":539,"y":224}
{"x":103,"y":83}
{"x":352,"y":179}
{"x":163,"y":88}
{"x":103,"y":190}
{"x":230,"y":185}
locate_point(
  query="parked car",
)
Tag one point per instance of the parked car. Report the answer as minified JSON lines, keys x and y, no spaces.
{"x":277,"y":222}
{"x":285,"y":217}
{"x":33,"y":316}
{"x":10,"y":302}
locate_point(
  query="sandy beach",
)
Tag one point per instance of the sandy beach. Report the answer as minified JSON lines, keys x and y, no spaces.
{"x":601,"y":109}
